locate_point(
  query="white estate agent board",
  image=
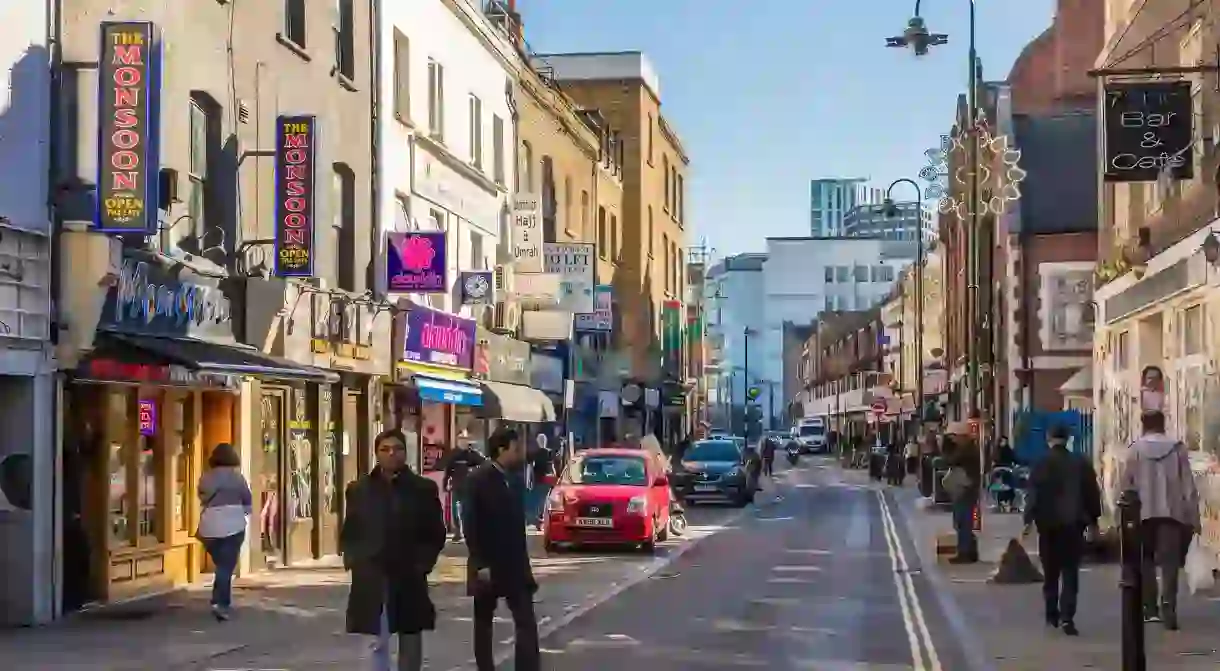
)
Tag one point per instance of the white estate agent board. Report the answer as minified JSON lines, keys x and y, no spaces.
{"x":602,"y":317}
{"x":527,"y":233}
{"x":573,"y":262}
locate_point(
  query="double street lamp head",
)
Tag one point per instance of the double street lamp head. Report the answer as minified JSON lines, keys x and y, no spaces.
{"x":917,"y":37}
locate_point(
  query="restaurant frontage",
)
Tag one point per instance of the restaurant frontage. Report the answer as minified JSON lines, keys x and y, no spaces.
{"x":434,"y":396}
{"x":503,"y":367}
{"x":311,"y":437}
{"x":154,"y":390}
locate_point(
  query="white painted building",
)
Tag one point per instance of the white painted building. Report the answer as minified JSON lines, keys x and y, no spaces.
{"x":733,"y":293}
{"x":446,"y":140}
{"x":805,"y":276}
{"x":27,"y":368}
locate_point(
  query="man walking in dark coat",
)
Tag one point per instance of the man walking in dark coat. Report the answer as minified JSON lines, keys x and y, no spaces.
{"x":1065,"y":499}
{"x":499,"y":564}
{"x":393,"y":532}
{"x":463,"y":460}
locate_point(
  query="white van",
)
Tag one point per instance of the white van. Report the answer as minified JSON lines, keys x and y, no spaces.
{"x":811,"y":434}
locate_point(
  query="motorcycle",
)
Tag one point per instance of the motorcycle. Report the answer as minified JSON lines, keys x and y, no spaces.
{"x":794,"y":454}
{"x":677,"y":515}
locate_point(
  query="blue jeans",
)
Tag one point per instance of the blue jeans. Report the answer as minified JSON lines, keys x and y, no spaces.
{"x":410,"y":648}
{"x":536,"y":502}
{"x":963,"y":524}
{"x":224,"y":553}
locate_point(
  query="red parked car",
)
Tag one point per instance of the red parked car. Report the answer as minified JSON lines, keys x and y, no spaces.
{"x":609,"y":496}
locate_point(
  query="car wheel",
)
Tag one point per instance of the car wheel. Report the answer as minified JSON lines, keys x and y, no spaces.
{"x":648,"y":548}
{"x":550,"y":547}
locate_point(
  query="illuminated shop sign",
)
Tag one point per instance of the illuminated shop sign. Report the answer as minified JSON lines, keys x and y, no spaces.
{"x":295,"y":184}
{"x":148,"y":417}
{"x":128,"y":89}
{"x":111,"y":370}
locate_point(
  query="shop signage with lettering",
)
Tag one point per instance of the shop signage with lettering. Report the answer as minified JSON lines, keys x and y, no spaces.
{"x":149,"y":299}
{"x":436,"y":338}
{"x":416,"y":262}
{"x":501,"y":358}
{"x":295,"y":194}
{"x":111,"y":370}
{"x":128,"y":89}
{"x":147,"y":412}
{"x":1149,"y":128}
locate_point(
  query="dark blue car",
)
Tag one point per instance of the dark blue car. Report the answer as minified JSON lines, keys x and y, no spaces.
{"x":715,"y":470}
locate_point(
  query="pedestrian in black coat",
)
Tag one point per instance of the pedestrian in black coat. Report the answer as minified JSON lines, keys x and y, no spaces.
{"x":499,"y":564}
{"x":392,"y":535}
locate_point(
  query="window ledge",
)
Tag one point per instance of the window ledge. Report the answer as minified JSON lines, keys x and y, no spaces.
{"x":292,"y":46}
{"x":346,"y":82}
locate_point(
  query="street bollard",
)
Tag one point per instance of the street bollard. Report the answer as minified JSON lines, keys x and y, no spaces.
{"x":1131,"y":582}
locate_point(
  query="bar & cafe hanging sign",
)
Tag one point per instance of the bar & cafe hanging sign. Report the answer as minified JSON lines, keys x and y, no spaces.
{"x":295,"y":194}
{"x":1149,"y":131}
{"x":129,"y":87}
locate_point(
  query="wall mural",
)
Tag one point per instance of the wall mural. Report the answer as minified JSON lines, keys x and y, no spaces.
{"x":300,"y":461}
{"x":1067,"y":309}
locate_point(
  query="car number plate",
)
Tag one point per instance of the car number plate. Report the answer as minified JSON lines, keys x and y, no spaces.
{"x":594,"y":522}
{"x":705,"y":488}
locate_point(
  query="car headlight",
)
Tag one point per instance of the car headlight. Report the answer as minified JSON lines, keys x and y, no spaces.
{"x":735,"y":472}
{"x":637,"y":505}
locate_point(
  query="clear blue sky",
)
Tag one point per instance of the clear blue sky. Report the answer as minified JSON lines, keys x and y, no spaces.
{"x":769,"y":94}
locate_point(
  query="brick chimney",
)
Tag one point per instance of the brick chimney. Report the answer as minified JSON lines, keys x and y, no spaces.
{"x":517,"y":26}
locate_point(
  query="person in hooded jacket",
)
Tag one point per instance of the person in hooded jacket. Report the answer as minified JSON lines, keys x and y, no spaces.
{"x":1064,"y":501}
{"x":1158,"y":468}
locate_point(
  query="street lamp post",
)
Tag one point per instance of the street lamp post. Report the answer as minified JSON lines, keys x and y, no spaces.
{"x":917,"y":37}
{"x":891,"y":211}
{"x":745,"y":405}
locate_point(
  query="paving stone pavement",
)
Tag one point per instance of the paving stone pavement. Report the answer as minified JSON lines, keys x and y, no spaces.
{"x":292,"y":619}
{"x":1006,"y":620}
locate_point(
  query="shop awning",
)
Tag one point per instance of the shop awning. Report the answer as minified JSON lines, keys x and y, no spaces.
{"x":516,"y":403}
{"x":206,"y":357}
{"x":439,"y":390}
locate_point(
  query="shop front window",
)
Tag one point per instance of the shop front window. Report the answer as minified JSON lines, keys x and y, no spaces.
{"x":269,"y":476}
{"x":300,"y":462}
{"x":182,"y":469}
{"x":120,"y":497}
{"x":149,"y":480}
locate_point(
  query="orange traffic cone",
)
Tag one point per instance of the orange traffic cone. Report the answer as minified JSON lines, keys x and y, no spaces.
{"x":1016,"y":568}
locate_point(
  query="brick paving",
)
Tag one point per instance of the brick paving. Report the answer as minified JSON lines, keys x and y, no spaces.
{"x":292,"y":619}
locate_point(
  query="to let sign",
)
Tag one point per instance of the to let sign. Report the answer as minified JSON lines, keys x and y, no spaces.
{"x":127,"y":161}
{"x":295,"y":182}
{"x":1149,"y":131}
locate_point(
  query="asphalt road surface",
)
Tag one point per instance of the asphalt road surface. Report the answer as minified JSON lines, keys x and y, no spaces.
{"x":816,"y":580}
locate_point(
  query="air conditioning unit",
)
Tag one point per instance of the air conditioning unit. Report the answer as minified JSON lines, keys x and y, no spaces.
{"x":507,"y":317}
{"x":503,"y":277}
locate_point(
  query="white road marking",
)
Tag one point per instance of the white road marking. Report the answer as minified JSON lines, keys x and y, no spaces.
{"x":912,"y":610}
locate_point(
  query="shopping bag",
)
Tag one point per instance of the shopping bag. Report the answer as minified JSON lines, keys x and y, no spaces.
{"x":1199,"y":566}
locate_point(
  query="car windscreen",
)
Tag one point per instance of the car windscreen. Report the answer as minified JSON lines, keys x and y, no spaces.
{"x":713,"y":450}
{"x":812,"y":430}
{"x":607,"y":470}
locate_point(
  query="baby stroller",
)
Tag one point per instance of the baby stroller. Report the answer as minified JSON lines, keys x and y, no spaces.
{"x":1007,"y":487}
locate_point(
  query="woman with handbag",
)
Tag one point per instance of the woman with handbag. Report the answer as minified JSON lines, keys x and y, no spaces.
{"x":227,"y":503}
{"x":962,"y":484}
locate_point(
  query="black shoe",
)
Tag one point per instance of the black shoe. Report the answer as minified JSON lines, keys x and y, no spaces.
{"x":1052,"y":620}
{"x":1070,"y":629}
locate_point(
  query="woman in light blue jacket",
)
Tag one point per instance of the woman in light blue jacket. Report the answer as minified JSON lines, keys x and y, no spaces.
{"x":227,"y":502}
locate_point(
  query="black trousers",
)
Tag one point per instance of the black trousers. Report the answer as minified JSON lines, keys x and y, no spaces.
{"x":768,"y":466}
{"x":520,"y":603}
{"x":1061,"y":549}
